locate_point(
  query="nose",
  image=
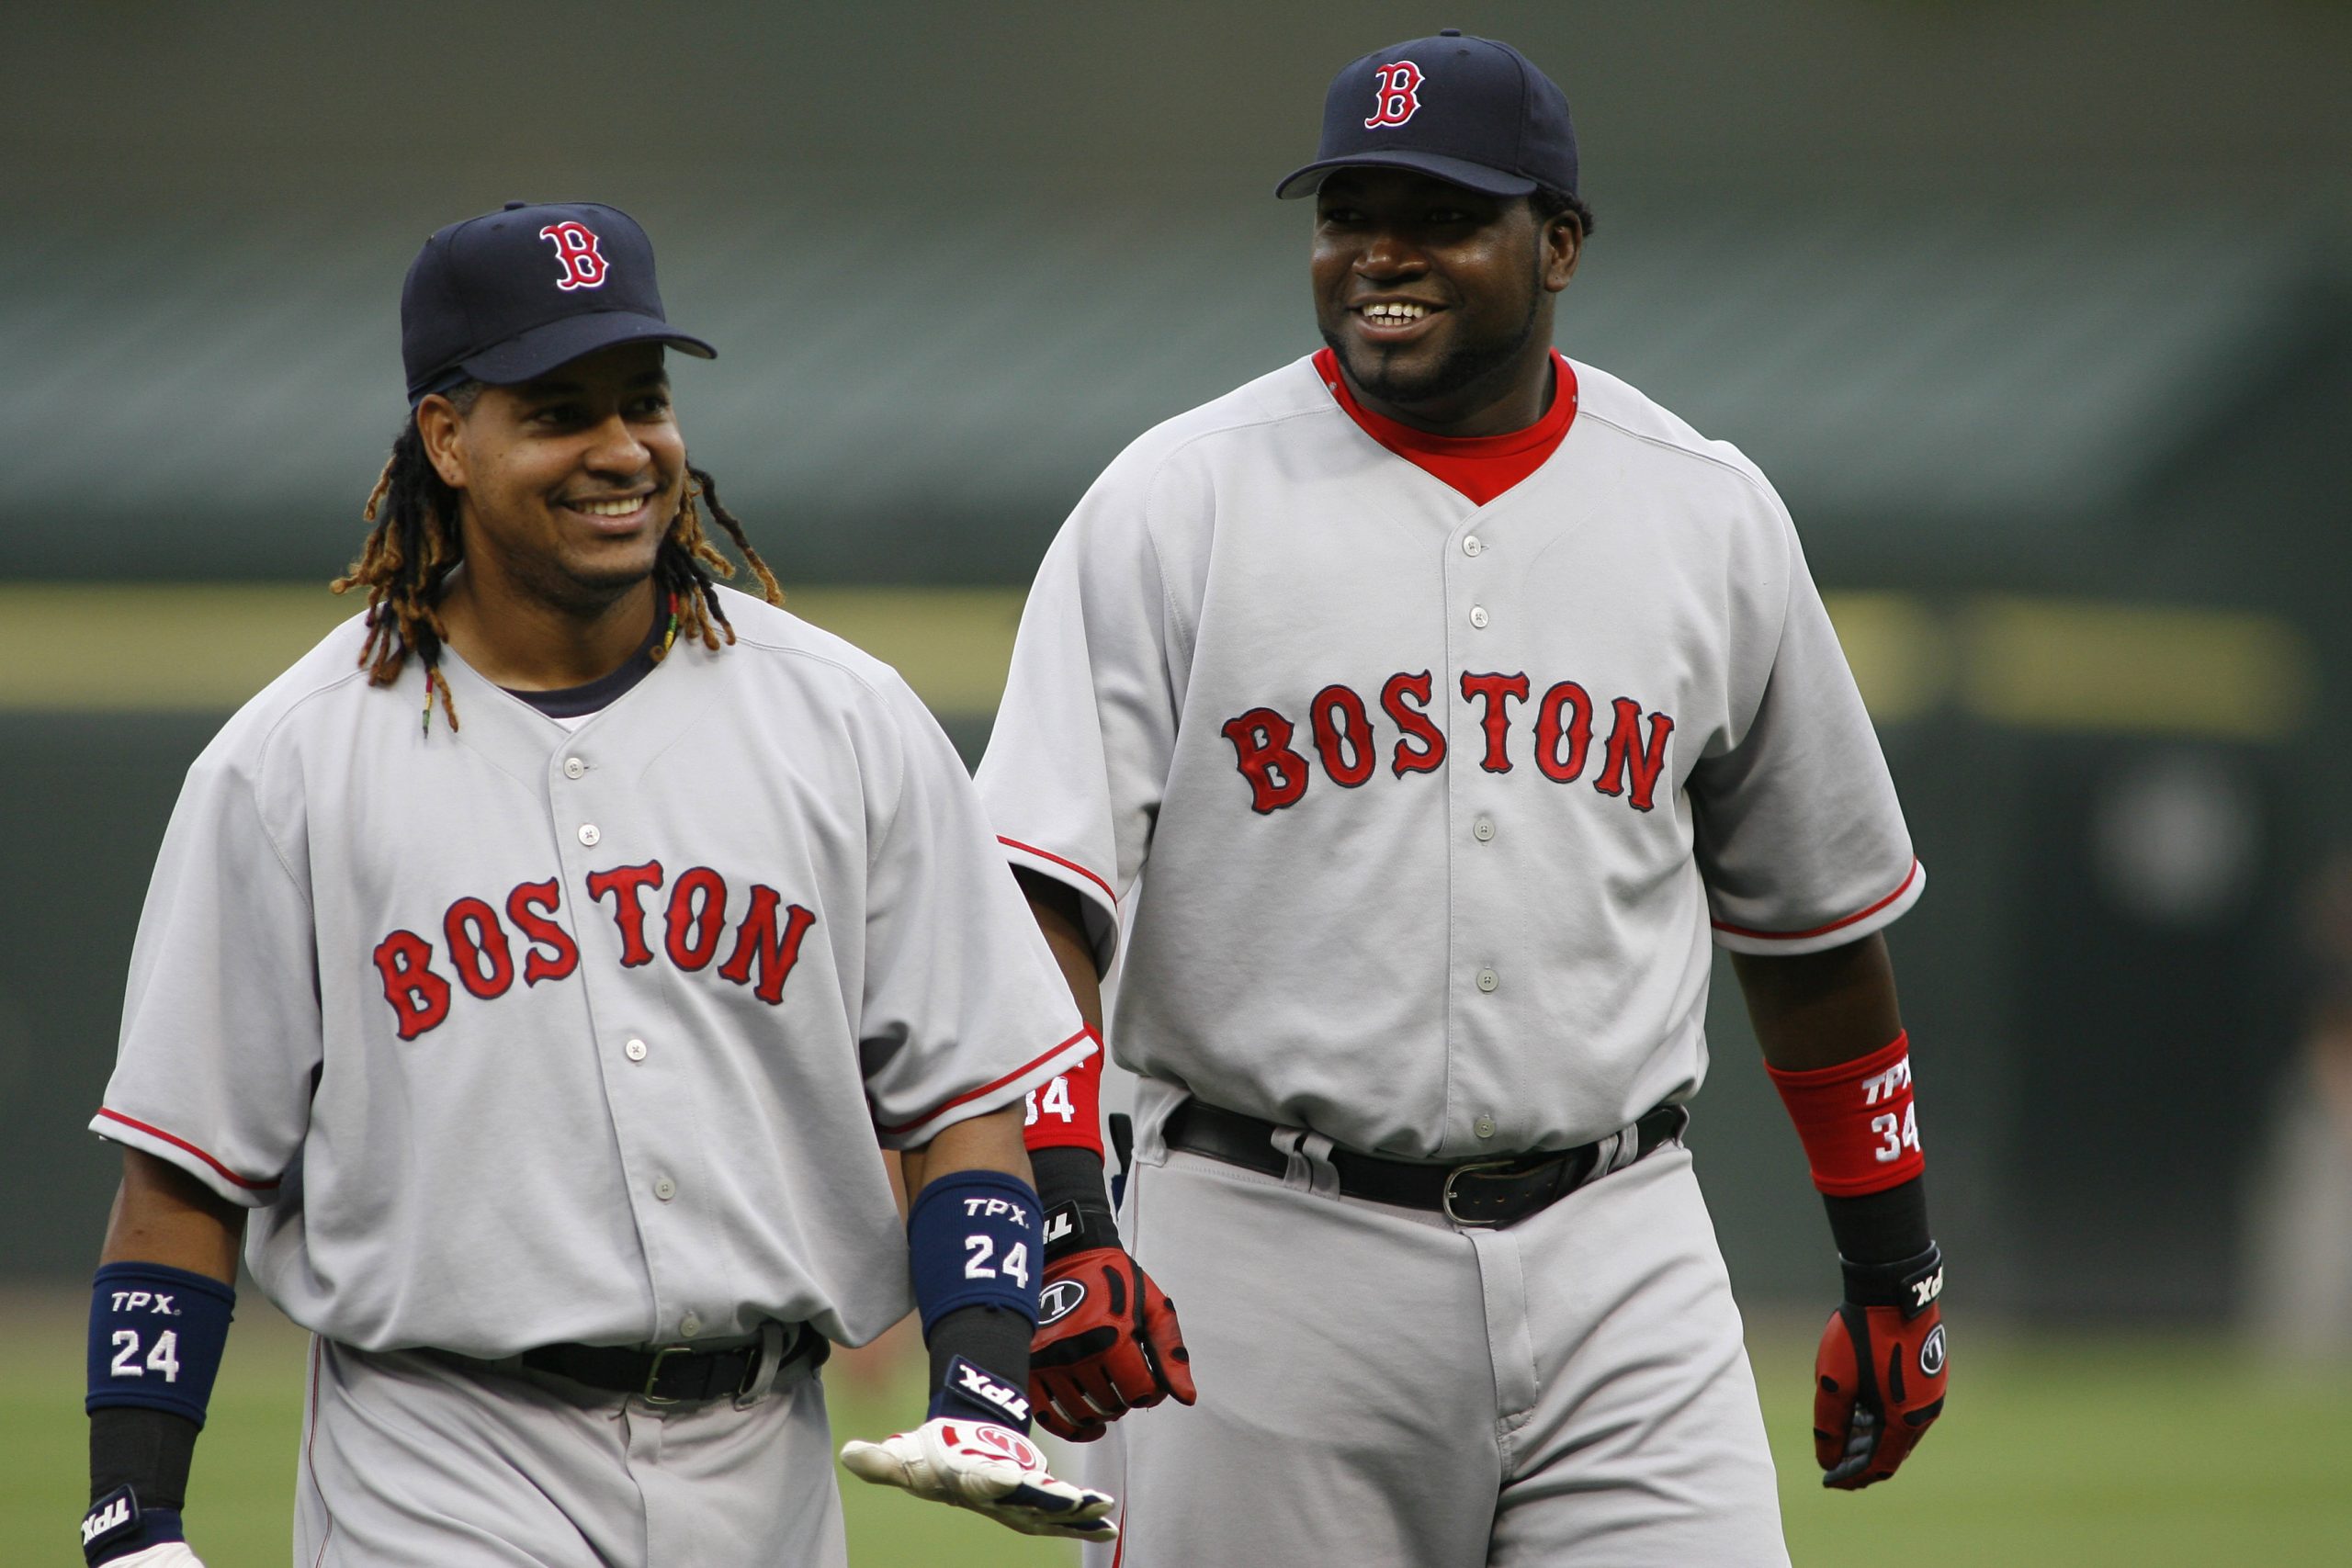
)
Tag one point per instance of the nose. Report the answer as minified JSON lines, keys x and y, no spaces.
{"x":1389,"y":252}
{"x":614,"y":449}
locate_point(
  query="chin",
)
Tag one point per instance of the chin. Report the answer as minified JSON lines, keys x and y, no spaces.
{"x":1403,"y":379}
{"x":607,"y":578}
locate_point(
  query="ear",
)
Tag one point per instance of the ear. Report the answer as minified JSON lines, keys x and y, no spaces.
{"x":1562,"y":248}
{"x":441,"y":428}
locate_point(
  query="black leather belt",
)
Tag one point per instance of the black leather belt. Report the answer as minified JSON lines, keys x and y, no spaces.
{"x":672,"y":1374}
{"x":1479,"y":1192}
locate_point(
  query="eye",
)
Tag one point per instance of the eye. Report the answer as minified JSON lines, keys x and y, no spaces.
{"x":558,"y":415}
{"x":650,"y":405}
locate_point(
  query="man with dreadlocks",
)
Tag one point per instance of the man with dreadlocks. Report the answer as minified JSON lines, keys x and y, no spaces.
{"x":537,"y":1056}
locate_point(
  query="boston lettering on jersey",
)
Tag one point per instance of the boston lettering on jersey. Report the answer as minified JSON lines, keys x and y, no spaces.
{"x":1347,"y":743}
{"x":693,"y":926}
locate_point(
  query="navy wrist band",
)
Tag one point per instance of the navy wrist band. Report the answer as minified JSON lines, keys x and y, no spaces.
{"x":973,"y":1238}
{"x":156,"y":1335}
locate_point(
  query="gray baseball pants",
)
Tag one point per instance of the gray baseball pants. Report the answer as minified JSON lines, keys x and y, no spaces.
{"x":1379,"y":1388}
{"x":416,"y":1460}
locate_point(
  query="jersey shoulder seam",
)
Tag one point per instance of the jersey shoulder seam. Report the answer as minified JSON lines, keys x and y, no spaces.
{"x":814,"y":656}
{"x":262,"y":751}
{"x":1752,"y":480}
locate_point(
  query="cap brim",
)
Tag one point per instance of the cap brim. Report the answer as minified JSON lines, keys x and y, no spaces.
{"x":561,"y":341}
{"x":1453,"y":171}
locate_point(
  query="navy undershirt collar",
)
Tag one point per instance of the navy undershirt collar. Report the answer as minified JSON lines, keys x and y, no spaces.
{"x":595,"y":696}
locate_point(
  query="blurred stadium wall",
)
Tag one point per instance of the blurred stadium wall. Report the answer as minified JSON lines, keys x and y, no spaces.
{"x":2041,"y":316}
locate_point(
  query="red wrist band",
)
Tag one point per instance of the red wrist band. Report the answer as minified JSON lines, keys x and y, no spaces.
{"x":1856,"y":1119}
{"x":1066,"y":1113}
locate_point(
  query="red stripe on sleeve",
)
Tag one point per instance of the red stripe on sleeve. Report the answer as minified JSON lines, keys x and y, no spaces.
{"x":1903,"y":887}
{"x":1029,"y":1066}
{"x":183,"y":1144}
{"x":1066,"y":864}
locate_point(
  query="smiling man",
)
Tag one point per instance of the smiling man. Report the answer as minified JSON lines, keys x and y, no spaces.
{"x":1417,"y":715}
{"x":539,"y":1056}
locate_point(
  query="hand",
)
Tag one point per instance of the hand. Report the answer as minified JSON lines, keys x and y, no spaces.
{"x":989,"y":1470}
{"x":1107,"y":1343}
{"x":117,"y":1533}
{"x":163,"y":1554}
{"x":1879,"y":1376}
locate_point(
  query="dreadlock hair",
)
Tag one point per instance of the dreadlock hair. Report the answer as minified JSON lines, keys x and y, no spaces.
{"x":1549,"y":204}
{"x":415,"y":543}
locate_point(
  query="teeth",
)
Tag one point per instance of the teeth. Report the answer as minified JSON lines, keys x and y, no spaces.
{"x":1396,"y":312}
{"x":609,"y":508}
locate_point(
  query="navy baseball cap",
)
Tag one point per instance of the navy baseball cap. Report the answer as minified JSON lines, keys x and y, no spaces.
{"x":511,"y":295}
{"x":1471,"y":112}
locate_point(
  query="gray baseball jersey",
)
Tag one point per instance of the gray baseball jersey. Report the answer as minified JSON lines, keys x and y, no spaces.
{"x":1418,"y":817}
{"x":520,"y":1034}
{"x":1435,"y":806}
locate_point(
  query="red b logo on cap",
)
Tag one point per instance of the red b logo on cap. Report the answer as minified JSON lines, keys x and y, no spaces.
{"x":575,"y":246}
{"x":1397,"y":97}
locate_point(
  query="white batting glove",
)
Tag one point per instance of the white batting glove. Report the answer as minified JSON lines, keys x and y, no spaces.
{"x":987,"y":1468}
{"x":163,"y":1554}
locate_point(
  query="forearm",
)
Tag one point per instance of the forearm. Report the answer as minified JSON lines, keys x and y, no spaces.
{"x":1062,"y":918}
{"x":159,"y":1316}
{"x":979,"y":1143}
{"x":1820,"y":1008}
{"x":1813,"y":1014}
{"x":991,"y":1335}
{"x":162,"y":1214}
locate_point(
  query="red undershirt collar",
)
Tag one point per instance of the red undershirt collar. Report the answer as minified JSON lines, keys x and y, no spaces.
{"x":1479,"y":467}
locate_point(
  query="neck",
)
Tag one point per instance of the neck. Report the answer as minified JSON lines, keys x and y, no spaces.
{"x":526,"y":643}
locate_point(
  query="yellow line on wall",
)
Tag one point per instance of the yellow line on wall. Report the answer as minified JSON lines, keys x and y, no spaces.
{"x":2039,"y":664}
{"x":122,"y":647}
{"x":2077,"y":665}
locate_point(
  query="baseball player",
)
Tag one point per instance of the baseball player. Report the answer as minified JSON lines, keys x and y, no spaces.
{"x":528,"y":975}
{"x":1407,"y":722}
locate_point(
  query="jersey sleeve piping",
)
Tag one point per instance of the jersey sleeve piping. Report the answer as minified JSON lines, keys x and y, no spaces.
{"x":1742,"y":938}
{"x":1065,"y":865}
{"x":1059,"y":1059}
{"x":176,"y":1142}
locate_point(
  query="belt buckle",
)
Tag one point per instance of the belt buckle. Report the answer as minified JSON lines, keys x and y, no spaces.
{"x":653,"y":1374}
{"x":1445,"y":1194}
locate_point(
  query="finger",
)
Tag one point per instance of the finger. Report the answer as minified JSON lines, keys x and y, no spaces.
{"x":1095,"y":1388}
{"x":1031,"y":1523}
{"x":876,"y":1463}
{"x":1062,"y":1424}
{"x":1853,"y":1470}
{"x":1059,"y":1407}
{"x":1130,"y":1371}
{"x":1053,"y":1507}
{"x":1164,"y":1342}
{"x":1836,"y":1389}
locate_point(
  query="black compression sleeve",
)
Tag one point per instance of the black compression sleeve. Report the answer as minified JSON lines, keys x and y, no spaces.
{"x":1882,"y":1227}
{"x":148,"y":1451}
{"x":991,"y":1338}
{"x":1078,"y":1208}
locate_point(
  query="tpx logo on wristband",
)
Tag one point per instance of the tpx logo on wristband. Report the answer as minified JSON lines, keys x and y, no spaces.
{"x":988,"y":1393}
{"x":1925,"y":1291}
{"x":115,"y":1514}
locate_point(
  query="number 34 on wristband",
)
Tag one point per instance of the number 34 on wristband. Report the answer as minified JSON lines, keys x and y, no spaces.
{"x":1052,"y":1101}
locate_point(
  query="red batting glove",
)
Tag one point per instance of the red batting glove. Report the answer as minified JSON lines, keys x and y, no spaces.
{"x":1879,"y":1376}
{"x":1107,"y":1343}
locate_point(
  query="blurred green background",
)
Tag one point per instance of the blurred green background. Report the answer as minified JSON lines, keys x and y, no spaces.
{"x":2039,"y":314}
